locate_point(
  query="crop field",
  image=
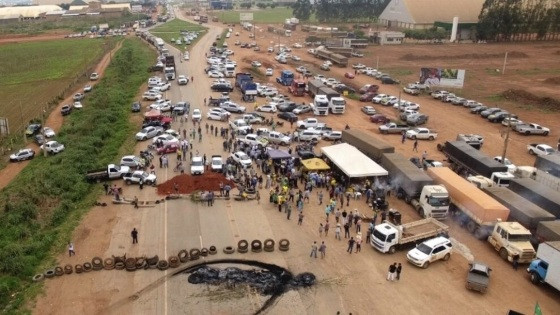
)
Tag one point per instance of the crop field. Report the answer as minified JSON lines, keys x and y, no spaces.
{"x":276,"y":15}
{"x":42,"y":205}
{"x":172,"y":30}
{"x":33,"y":74}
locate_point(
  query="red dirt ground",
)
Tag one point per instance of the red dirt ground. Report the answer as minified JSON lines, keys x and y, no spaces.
{"x":189,"y":183}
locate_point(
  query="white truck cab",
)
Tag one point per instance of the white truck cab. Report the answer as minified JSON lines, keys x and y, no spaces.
{"x":320,"y":105}
{"x":337,"y":105}
{"x":433,"y":202}
{"x":498,"y":179}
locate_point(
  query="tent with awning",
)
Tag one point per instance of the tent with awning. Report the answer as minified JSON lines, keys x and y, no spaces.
{"x":353,"y":162}
{"x":315,"y":164}
{"x":278,"y":154}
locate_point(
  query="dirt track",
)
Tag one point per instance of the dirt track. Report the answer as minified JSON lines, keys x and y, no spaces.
{"x":349,"y":283}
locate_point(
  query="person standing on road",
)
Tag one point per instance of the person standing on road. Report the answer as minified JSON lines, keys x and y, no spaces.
{"x":346,"y":230}
{"x":71,"y":251}
{"x":392,"y":272}
{"x":424,"y":156}
{"x":106,"y":187}
{"x":300,"y":218}
{"x":134,"y":235}
{"x":337,"y":232}
{"x":359,"y":242}
{"x":515,"y":261}
{"x":337,"y":215}
{"x":161,"y":161}
{"x":321,"y":229}
{"x":320,"y":195}
{"x":314,"y":249}
{"x":403,"y":137}
{"x":288,"y":209}
{"x":399,"y":269}
{"x":323,"y":249}
{"x":415,"y":145}
{"x":327,"y":226}
{"x":351,"y":242}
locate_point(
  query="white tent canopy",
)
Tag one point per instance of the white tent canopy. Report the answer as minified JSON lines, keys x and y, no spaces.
{"x":353,"y":162}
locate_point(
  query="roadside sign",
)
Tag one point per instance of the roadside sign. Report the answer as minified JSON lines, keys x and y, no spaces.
{"x":245,"y":16}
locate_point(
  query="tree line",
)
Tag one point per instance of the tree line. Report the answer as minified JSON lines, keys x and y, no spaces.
{"x":339,"y":10}
{"x":514,"y":19}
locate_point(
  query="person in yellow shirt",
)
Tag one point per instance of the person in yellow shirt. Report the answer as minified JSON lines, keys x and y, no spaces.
{"x":280,"y":202}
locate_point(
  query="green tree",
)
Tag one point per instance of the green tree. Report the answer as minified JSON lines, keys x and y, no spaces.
{"x":302,"y":10}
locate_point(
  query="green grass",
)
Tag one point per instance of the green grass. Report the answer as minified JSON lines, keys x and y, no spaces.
{"x":173,"y":28}
{"x":34,"y":74}
{"x":220,"y":42}
{"x":45,"y":202}
{"x":271,"y":16}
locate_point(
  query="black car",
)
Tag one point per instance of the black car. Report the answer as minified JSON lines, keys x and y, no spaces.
{"x":304,"y":154}
{"x":136,"y":107}
{"x":66,"y":110}
{"x":39,"y":139}
{"x":155,"y":123}
{"x":287,"y":107}
{"x":33,"y":129}
{"x":220,"y":87}
{"x":340,"y":88}
{"x":289,"y":116}
{"x":388,"y":80}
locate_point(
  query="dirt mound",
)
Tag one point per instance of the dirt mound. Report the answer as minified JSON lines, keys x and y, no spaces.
{"x":512,"y":54}
{"x":189,"y":183}
{"x":554,"y":81}
{"x":521,"y":96}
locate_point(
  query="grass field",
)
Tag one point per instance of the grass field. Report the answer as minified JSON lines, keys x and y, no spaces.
{"x":33,"y":74}
{"x":173,"y":28}
{"x":273,"y":16}
{"x":41,"y":207}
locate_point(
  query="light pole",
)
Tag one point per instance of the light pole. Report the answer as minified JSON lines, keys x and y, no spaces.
{"x":506,"y":140}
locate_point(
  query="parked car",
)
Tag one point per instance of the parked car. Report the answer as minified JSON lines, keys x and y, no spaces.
{"x":216,"y":164}
{"x":242,"y":158}
{"x":140,"y":176}
{"x":367,"y":97}
{"x":349,"y":75}
{"x":256,"y":64}
{"x":540,"y":149}
{"x":421,"y":133}
{"x":22,"y":155}
{"x":416,"y":119}
{"x":368,"y":110}
{"x":33,"y":129}
{"x":379,"y":119}
{"x":48,"y":132}
{"x":182,"y":80}
{"x":169,"y":148}
{"x":478,"y":277}
{"x":269,"y":72}
{"x":66,"y":110}
{"x":197,"y":165}
{"x":148,"y":132}
{"x":290,"y":117}
{"x":136,"y":107}
{"x":94,"y":76}
{"x":302,"y":109}
{"x":430,"y":251}
{"x":87,"y":88}
{"x":53,"y":147}
{"x":132,"y":161}
{"x":78,"y":97}
{"x":531,"y":129}
{"x":267,"y":108}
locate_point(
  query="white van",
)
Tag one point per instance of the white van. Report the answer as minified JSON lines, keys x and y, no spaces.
{"x":197,"y":166}
{"x":430,"y":251}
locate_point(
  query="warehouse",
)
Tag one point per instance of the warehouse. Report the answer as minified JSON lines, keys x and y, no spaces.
{"x":22,"y":13}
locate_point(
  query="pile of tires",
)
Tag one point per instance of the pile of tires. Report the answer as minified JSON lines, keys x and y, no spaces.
{"x":242,"y":246}
{"x":174,"y":261}
{"x":268,"y":245}
{"x":284,"y":245}
{"x":183,"y":256}
{"x":194,"y":253}
{"x":256,"y":246}
{"x":130,"y":264}
{"x":97,"y":263}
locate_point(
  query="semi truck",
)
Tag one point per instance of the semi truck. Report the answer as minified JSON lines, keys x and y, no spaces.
{"x":367,"y":144}
{"x":286,"y":78}
{"x":520,"y":209}
{"x":387,"y":237}
{"x":546,"y":268}
{"x":548,"y":231}
{"x":313,"y":87}
{"x":547,"y":170}
{"x":538,"y":193}
{"x":468,"y":161}
{"x":339,"y":60}
{"x":337,"y":104}
{"x":484,"y":217}
{"x":244,"y":81}
{"x":414,"y":186}
{"x":170,"y":68}
{"x":112,"y":171}
{"x":297,"y":88}
{"x":320,"y":105}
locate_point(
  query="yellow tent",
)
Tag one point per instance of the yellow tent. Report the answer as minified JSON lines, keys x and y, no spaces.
{"x":315,"y":164}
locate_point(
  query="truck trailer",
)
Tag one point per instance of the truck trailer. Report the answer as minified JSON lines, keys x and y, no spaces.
{"x":367,"y":144}
{"x":466,"y":160}
{"x":538,"y":193}
{"x":548,"y":231}
{"x":387,"y":237}
{"x":546,"y":268}
{"x":313,"y":87}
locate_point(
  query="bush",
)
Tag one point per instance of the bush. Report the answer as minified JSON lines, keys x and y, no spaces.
{"x":46,"y":199}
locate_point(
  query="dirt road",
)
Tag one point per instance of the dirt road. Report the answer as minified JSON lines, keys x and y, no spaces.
{"x":346,"y":282}
{"x":55,"y":120}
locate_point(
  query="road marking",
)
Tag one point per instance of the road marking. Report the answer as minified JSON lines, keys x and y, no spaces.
{"x":234,"y":227}
{"x":165,"y":247}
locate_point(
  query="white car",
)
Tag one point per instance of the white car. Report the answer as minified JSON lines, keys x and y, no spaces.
{"x":94,"y":76}
{"x":296,"y":58}
{"x":48,"y":132}
{"x":368,"y":110}
{"x":172,"y":132}
{"x":151,"y":96}
{"x":332,"y":135}
{"x":242,"y":158}
{"x":278,"y":138}
{"x":221,"y":111}
{"x":256,"y":64}
{"x":87,"y":88}
{"x":166,"y":139}
{"x":540,"y":149}
{"x":197,"y":165}
{"x":164,"y":107}
{"x":297,"y":45}
{"x":269,"y":72}
{"x":215,"y":74}
{"x":232,"y":107}
{"x":77,"y":105}
{"x":139,"y":176}
{"x":182,"y":80}
{"x":22,"y":155}
{"x":216,"y":163}
{"x":53,"y":147}
{"x":164,"y":86}
{"x":213,"y":115}
{"x":132,"y":161}
{"x":510,"y":121}
{"x":301,"y":69}
{"x":378,"y":98}
{"x":196,"y":115}
{"x":267,"y":108}
{"x":421,"y":133}
{"x":511,"y":167}
{"x":186,"y":56}
{"x":148,"y":132}
{"x":270,"y":49}
{"x":358,"y":66}
{"x":429,"y":251}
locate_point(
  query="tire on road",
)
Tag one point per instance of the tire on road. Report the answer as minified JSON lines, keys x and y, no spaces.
{"x":194,"y":253}
{"x":256,"y":246}
{"x":58,"y":271}
{"x":183,"y":255}
{"x":162,"y":265}
{"x":49,"y":273}
{"x":284,"y":243}
{"x":87,"y":267}
{"x":38,"y":277}
{"x":153,"y":261}
{"x":141,"y":263}
{"x":268,"y":245}
{"x":109,"y":263}
{"x":229,"y":250}
{"x":97,"y":262}
{"x":212,"y":250}
{"x":174,"y":261}
{"x":242,"y":244}
{"x":119,"y":266}
{"x":68,"y":269}
{"x":79,"y":268}
{"x":204,"y":252}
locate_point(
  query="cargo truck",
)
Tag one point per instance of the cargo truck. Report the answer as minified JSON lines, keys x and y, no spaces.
{"x":297,"y":88}
{"x":483,"y":216}
{"x":468,"y":161}
{"x":416,"y":187}
{"x":548,"y":170}
{"x":520,"y":209}
{"x":539,"y":194}
{"x":367,"y":144}
{"x":387,"y":237}
{"x":313,"y":87}
{"x":169,"y":67}
{"x":548,"y":231}
{"x":546,"y":268}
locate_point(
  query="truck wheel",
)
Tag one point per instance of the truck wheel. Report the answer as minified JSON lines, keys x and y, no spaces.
{"x":128,"y":182}
{"x":426,"y":265}
{"x":431,"y":138}
{"x":446,"y":257}
{"x":527,"y":133}
{"x":471,"y":227}
{"x":545,"y":133}
{"x":407,"y":199}
{"x":504,"y":254}
{"x":535,"y":279}
{"x":421,"y":212}
{"x":392,"y":249}
{"x":440,"y":147}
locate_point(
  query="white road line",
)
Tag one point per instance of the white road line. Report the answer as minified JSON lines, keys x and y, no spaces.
{"x":165,"y":247}
{"x":200,"y":236}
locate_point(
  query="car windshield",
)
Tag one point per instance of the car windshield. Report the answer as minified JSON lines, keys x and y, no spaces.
{"x":519,"y":237}
{"x":197,"y":163}
{"x":380,"y":236}
{"x":549,"y":150}
{"x":216,"y":162}
{"x":243,"y":157}
{"x":145,"y":130}
{"x":424,"y":248}
{"x":438,"y":201}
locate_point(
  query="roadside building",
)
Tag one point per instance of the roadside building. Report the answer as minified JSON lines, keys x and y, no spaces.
{"x":22,"y":13}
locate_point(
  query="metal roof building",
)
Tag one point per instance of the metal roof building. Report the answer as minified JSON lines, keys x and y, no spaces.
{"x":28,"y":12}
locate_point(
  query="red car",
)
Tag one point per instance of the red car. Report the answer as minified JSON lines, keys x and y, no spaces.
{"x":349,"y":75}
{"x":170,"y":148}
{"x":367,"y":97}
{"x":379,"y":119}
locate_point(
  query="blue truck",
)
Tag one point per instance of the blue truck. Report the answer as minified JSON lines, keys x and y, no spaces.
{"x":244,"y":81}
{"x":546,"y":268}
{"x":286,"y":78}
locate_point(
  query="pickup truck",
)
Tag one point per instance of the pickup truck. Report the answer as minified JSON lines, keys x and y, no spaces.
{"x":532,"y":129}
{"x":540,"y":149}
{"x":421,"y":133}
{"x":411,"y":91}
{"x":418,"y":86}
{"x":279,"y":138}
{"x":252,"y":119}
{"x":478,"y":277}
{"x":307,"y":123}
{"x":392,"y":128}
{"x":240,"y":126}
{"x":112,"y":171}
{"x":253,"y":139}
{"x":387,"y":237}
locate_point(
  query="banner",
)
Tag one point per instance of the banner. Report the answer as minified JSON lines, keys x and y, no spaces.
{"x":442,"y":77}
{"x":245,"y":16}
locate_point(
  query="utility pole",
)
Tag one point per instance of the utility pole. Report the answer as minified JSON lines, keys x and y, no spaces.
{"x":506,"y":140}
{"x":43,"y":130}
{"x":505,"y":62}
{"x":22,"y":122}
{"x":377,"y":64}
